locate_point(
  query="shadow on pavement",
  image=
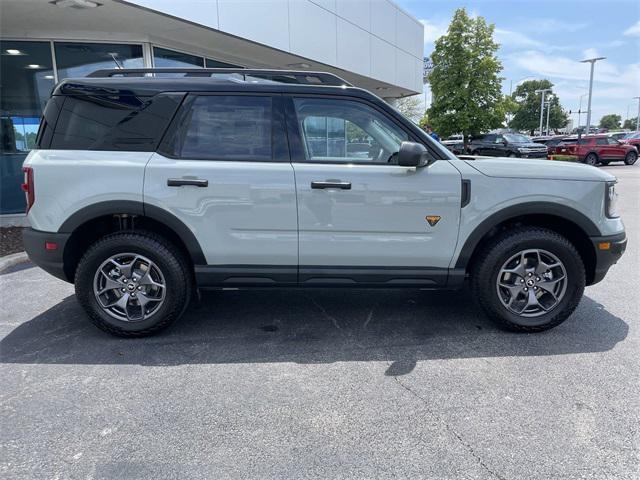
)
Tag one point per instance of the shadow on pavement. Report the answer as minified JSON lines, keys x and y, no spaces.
{"x":317,"y":326}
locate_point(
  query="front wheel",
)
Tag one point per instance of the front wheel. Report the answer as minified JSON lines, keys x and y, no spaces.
{"x":529,"y":279}
{"x":133,"y":284}
{"x":630,"y":158}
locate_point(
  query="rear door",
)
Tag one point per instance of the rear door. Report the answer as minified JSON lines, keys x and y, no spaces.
{"x":363,"y":218}
{"x":603,"y":148}
{"x":223,"y":170}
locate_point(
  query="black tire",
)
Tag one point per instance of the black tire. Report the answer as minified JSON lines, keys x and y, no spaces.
{"x":591,"y":159}
{"x":604,"y":163}
{"x":513,"y":155}
{"x":630,"y":158}
{"x":484,"y":277}
{"x":169,"y":259}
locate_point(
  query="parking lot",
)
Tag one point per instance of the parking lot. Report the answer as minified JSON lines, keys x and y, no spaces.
{"x":324,"y":384}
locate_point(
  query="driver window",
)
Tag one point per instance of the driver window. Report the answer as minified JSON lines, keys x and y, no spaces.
{"x":499,"y":139}
{"x":346,"y":131}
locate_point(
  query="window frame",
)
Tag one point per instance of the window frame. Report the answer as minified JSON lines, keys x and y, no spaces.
{"x":279,"y":144}
{"x":296,"y":140}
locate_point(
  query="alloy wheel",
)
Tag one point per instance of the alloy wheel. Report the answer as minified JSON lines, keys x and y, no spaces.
{"x":129,"y":287}
{"x":531,"y":283}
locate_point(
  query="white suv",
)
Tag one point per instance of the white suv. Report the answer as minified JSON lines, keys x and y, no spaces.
{"x":144,"y":188}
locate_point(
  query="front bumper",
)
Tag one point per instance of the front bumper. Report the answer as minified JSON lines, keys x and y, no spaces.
{"x":49,"y":259}
{"x":608,"y":250}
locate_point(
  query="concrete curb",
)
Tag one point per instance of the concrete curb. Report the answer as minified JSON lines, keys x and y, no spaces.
{"x":10,"y":260}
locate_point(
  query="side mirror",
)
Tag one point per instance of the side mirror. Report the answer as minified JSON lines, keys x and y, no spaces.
{"x":412,"y":154}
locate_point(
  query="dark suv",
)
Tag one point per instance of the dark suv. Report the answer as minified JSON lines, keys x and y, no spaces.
{"x":506,"y":145}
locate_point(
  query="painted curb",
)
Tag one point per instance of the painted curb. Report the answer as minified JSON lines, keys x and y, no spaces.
{"x":10,"y":260}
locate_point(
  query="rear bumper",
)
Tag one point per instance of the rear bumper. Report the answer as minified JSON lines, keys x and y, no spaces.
{"x":50,"y":260}
{"x":608,"y":250}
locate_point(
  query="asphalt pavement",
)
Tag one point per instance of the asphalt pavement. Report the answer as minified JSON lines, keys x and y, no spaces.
{"x":324,"y":384}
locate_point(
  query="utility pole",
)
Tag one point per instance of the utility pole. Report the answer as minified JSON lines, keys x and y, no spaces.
{"x":543,"y":92}
{"x":592,"y":61}
{"x":638,"y":117}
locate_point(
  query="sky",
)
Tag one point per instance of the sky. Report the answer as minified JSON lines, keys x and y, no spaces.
{"x":547,"y":39}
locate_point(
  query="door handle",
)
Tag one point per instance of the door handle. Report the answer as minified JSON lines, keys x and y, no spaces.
{"x":180,"y":182}
{"x":331,"y":184}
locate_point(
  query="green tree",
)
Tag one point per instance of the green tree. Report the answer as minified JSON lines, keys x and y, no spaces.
{"x":464,"y":81}
{"x":611,"y":121}
{"x":527,"y":114}
{"x":411,"y":107}
{"x":630,"y":123}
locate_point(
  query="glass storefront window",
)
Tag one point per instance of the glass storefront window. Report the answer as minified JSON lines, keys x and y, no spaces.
{"x":26,"y":80}
{"x":210,"y":63}
{"x":80,"y":59}
{"x":165,"y":58}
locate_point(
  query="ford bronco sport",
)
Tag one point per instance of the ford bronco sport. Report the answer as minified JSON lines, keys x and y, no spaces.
{"x":144,"y":188}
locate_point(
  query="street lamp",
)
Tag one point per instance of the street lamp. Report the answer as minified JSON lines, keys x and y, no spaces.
{"x":580,"y":109}
{"x":638,"y":117}
{"x":543,"y":92}
{"x":592,"y":61}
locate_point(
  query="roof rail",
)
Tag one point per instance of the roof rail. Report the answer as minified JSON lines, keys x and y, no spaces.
{"x":279,"y":76}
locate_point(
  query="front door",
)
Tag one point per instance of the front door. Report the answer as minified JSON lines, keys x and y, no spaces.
{"x":362,"y":218}
{"x":224,"y":171}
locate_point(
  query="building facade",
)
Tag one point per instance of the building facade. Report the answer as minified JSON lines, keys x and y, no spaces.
{"x":373,"y":44}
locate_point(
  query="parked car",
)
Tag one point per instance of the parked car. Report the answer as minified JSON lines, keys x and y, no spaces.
{"x":632,"y":138}
{"x":594,"y":149}
{"x":618,"y":135}
{"x":550,"y":142}
{"x":455,"y":144}
{"x":506,"y":145}
{"x":141,"y":190}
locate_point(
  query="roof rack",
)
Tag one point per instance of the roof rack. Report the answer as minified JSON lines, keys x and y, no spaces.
{"x":278,"y":76}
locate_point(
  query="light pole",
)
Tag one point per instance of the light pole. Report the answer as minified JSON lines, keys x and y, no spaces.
{"x":580,"y":109}
{"x":548,"y":110}
{"x":592,"y":61}
{"x":638,"y":117}
{"x":543,"y":92}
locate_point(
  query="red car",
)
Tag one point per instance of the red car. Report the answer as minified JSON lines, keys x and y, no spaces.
{"x":632,"y":138}
{"x":594,"y":149}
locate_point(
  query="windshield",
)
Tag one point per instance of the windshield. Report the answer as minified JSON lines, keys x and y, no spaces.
{"x":516,"y":138}
{"x":631,"y":135}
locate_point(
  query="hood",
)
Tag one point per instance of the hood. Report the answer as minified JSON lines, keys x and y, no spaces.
{"x":540,"y":169}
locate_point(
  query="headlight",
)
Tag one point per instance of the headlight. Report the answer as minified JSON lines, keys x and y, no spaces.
{"x":523,"y":149}
{"x":611,"y":201}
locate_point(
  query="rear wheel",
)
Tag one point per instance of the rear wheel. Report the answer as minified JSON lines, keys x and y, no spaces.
{"x":133,"y":284}
{"x":512,"y":155}
{"x":591,"y":159}
{"x":631,"y":158}
{"x":529,"y":279}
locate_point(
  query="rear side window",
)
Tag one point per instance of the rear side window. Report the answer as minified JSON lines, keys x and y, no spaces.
{"x":228,"y":127}
{"x":113,"y":122}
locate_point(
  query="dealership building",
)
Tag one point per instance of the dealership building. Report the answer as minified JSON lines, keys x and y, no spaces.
{"x":373,"y":44}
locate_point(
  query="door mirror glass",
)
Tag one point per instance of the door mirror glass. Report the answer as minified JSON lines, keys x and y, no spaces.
{"x":412,"y":155}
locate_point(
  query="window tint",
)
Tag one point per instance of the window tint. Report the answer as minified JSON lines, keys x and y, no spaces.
{"x":227,"y":128}
{"x":116,"y":122}
{"x":613,"y":141}
{"x":601,"y":141}
{"x":348,"y":131}
{"x":489,"y":138}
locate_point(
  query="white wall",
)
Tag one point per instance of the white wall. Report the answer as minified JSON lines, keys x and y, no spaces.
{"x":374,"y":38}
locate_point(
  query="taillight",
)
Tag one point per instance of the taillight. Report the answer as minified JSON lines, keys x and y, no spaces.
{"x":28,"y":187}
